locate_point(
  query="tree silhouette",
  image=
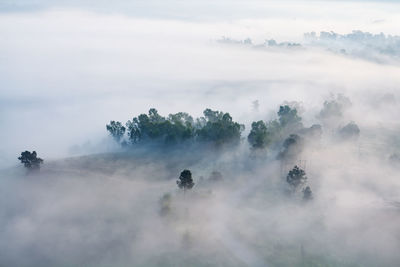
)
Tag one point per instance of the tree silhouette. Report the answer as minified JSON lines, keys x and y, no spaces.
{"x":185,"y":180}
{"x":296,"y":177}
{"x":116,"y":130}
{"x":292,"y":147}
{"x":350,"y":131}
{"x":258,"y":136}
{"x":30,"y":160}
{"x":288,"y":117}
{"x":307,"y":193}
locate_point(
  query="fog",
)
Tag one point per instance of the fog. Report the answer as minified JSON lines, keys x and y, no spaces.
{"x":68,"y":68}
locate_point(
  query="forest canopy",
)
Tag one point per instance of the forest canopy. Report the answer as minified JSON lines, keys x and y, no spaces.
{"x":215,"y":127}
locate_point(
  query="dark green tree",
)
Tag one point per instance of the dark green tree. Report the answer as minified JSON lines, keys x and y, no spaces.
{"x":185,"y":180}
{"x":179,"y":128}
{"x":30,"y":160}
{"x":259,"y":136}
{"x":219,"y":128}
{"x":134,"y":132}
{"x":176,"y":128}
{"x":154,"y":117}
{"x":288,"y":117}
{"x":296,"y":177}
{"x":116,"y":130}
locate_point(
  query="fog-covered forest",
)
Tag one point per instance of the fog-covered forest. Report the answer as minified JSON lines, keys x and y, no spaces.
{"x":199,"y":133}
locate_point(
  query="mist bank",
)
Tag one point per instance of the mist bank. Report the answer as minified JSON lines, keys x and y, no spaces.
{"x":125,"y":208}
{"x":379,"y":48}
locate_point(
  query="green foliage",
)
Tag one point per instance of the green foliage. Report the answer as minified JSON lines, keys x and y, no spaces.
{"x":116,"y":130}
{"x":174,"y":129}
{"x":30,"y":160}
{"x":296,"y":177}
{"x":185,"y":180}
{"x":292,"y":146}
{"x":215,"y":127}
{"x":288,"y":117}
{"x":259,"y":136}
{"x":264,"y":134}
{"x":219,"y":128}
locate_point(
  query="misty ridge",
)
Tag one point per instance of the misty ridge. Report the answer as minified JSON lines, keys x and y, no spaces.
{"x":379,"y":48}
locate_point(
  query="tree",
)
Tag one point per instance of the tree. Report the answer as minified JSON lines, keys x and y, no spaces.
{"x":185,"y":180}
{"x":30,"y":160}
{"x":288,"y":117}
{"x":292,"y":146}
{"x":176,"y":128}
{"x":264,"y":134}
{"x":307,"y":193}
{"x":312,"y":133}
{"x":334,"y":107}
{"x":116,"y":130}
{"x":258,"y":136}
{"x":296,"y":177}
{"x":350,"y":131}
{"x":219,"y":128}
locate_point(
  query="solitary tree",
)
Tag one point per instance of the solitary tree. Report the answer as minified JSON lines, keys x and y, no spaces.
{"x":296,"y":177}
{"x":185,"y":180}
{"x":307,"y":193}
{"x":30,"y":160}
{"x":350,"y":131}
{"x":116,"y":130}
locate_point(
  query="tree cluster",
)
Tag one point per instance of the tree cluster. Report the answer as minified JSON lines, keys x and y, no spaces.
{"x":30,"y":160}
{"x":297,"y":178}
{"x":216,"y":127}
{"x":263,"y":134}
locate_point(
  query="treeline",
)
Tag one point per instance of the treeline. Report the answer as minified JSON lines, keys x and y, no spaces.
{"x":285,"y":135}
{"x":214,"y":127}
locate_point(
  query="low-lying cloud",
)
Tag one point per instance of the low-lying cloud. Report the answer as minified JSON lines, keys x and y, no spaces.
{"x":68,"y":70}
